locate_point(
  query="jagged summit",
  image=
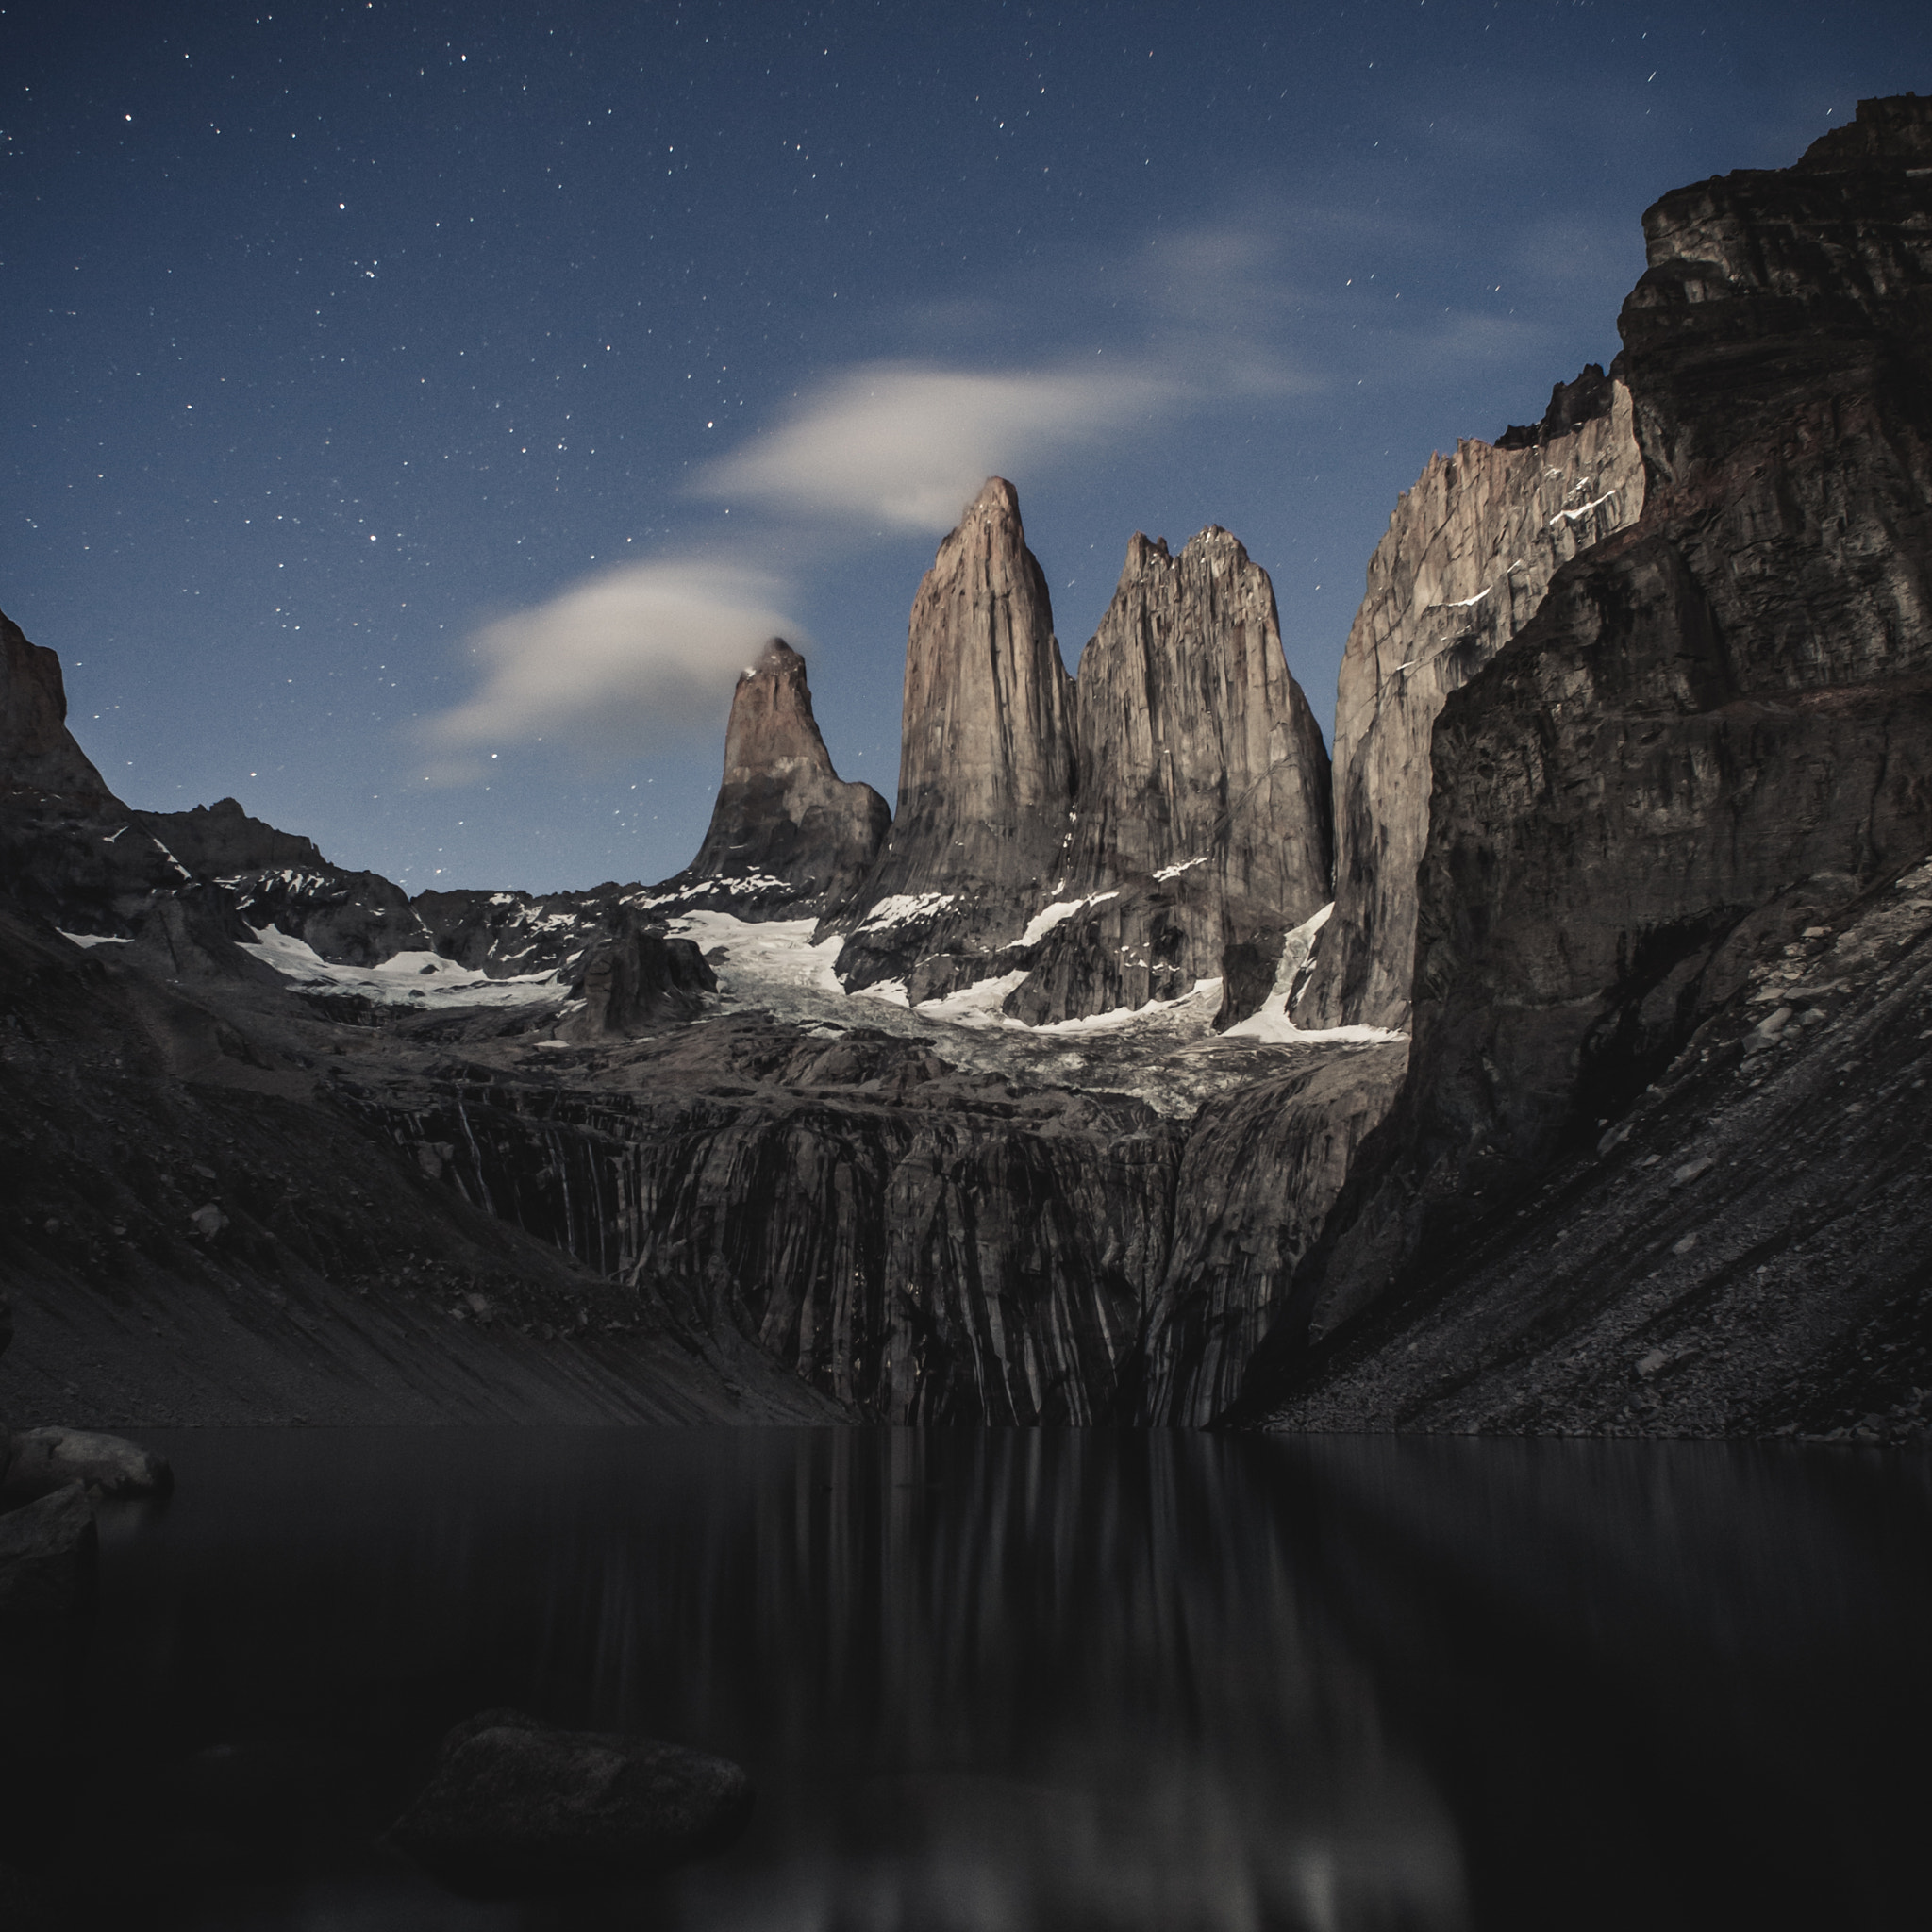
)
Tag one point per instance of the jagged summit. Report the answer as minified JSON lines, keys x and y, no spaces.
{"x":1202,"y":819}
{"x":788,"y":835}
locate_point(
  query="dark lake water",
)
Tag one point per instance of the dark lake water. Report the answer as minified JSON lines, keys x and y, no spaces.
{"x":1160,"y":1682}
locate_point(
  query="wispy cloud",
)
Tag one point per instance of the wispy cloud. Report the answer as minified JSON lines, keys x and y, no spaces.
{"x":907,"y":444}
{"x":634,"y":658}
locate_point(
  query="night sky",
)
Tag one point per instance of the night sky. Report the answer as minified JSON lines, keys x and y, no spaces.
{"x":414,"y":415}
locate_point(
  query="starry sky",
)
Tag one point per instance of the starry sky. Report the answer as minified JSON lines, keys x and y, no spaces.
{"x":415,"y":414}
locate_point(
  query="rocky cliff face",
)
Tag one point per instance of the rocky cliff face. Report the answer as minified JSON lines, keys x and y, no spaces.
{"x":37,"y":754}
{"x":924,"y":1245}
{"x":985,"y":765}
{"x":1466,"y":562}
{"x":1717,"y":732}
{"x":1200,"y":820}
{"x":788,"y":838}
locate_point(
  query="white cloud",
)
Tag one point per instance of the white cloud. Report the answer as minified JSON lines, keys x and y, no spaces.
{"x":632,"y":657}
{"x":907,"y":445}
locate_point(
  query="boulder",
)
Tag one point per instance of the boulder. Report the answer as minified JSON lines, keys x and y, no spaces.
{"x":517,"y":1806}
{"x":43,"y":1460}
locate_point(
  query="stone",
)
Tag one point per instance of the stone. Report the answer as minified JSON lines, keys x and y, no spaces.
{"x":788,"y":836}
{"x":515,"y":1806}
{"x":1114,"y":840}
{"x":43,"y":1460}
{"x":47,"y":1557}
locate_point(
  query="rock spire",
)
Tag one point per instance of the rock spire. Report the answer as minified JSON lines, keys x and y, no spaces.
{"x":986,"y":764}
{"x":1202,"y":818}
{"x":788,"y":835}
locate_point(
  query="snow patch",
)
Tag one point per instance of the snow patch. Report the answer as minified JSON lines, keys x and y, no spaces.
{"x":402,"y":980}
{"x":1576,"y":516}
{"x":1058,"y":914}
{"x":1464,"y":603}
{"x":1174,"y":872}
{"x":93,"y":938}
{"x":1271,"y":1021}
{"x":1205,"y":996}
{"x":904,"y":905}
{"x":978,"y":1005}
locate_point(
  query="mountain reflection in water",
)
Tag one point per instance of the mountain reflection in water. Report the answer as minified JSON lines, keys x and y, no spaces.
{"x":1158,"y":1682}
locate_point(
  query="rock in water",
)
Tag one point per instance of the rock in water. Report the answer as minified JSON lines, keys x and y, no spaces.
{"x":986,"y":766}
{"x":46,"y":1555}
{"x":1201,"y":809}
{"x":1716,"y":732}
{"x":516,"y":1805}
{"x":1466,"y":560}
{"x":43,"y":1460}
{"x":788,"y":837}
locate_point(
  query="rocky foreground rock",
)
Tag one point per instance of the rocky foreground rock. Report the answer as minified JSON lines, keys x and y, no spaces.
{"x":516,"y":1806}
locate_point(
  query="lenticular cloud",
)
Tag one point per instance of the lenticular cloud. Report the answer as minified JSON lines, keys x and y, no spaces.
{"x":907,"y":446}
{"x":636,"y":655}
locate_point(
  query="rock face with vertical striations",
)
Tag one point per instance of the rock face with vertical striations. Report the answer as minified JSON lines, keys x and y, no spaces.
{"x":1466,"y":560}
{"x":986,"y":766}
{"x":1200,"y":820}
{"x":788,"y":836}
{"x":1714,"y":735}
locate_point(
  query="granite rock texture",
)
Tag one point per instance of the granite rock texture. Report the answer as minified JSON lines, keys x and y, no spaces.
{"x":788,"y":838}
{"x":1201,"y":818}
{"x":1468,"y":558}
{"x":985,"y":765}
{"x":1716,"y":733}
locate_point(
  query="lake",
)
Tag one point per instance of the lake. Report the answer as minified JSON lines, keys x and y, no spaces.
{"x":1142,"y":1681}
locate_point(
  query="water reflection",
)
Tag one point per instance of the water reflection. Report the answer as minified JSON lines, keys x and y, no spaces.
{"x":1038,"y":1678}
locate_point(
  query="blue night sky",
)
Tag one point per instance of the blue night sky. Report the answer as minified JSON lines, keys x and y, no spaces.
{"x":413,"y":415}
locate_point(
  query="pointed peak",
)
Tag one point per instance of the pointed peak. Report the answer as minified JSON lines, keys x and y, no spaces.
{"x":774,"y":661}
{"x":996,"y":497}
